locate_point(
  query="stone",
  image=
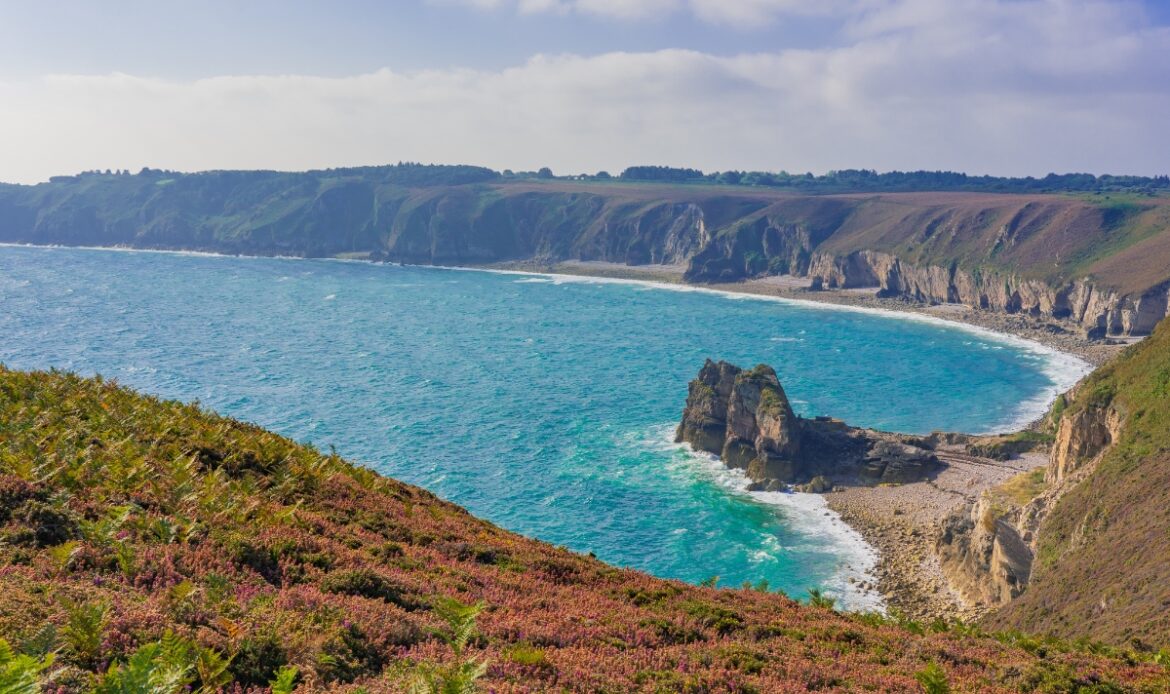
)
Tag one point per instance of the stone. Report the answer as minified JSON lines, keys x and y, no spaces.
{"x":745,"y":418}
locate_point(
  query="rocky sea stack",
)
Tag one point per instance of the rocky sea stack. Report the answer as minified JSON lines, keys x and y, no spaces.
{"x":744,"y":417}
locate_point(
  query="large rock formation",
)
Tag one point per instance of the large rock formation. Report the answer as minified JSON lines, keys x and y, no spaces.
{"x":744,"y":417}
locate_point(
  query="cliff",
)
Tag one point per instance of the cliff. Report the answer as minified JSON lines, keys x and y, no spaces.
{"x":1098,"y":261}
{"x":744,"y":417}
{"x":1080,"y":547}
{"x":151,"y":542}
{"x":1100,"y":264}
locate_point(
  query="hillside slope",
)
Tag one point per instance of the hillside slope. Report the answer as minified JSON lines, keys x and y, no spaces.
{"x":1097,"y":260}
{"x":148,"y":539}
{"x":1102,"y":546}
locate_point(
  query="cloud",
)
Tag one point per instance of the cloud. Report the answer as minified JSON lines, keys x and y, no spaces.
{"x":1020,"y":87}
{"x":744,"y":13}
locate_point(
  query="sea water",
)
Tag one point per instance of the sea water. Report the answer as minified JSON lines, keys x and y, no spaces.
{"x":544,"y":404}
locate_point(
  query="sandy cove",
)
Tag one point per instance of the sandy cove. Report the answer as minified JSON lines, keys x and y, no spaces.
{"x":901,"y":522}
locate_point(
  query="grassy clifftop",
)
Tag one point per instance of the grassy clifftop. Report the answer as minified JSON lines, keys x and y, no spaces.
{"x":454,"y":215}
{"x":151,"y":542}
{"x":1103,"y":560}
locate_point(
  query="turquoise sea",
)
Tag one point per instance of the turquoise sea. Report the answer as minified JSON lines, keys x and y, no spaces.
{"x":543,"y":404}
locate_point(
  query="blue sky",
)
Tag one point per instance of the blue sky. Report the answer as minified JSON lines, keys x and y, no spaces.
{"x":986,"y":86}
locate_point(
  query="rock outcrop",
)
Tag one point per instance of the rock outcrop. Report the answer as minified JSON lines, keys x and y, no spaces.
{"x":986,"y":549}
{"x":744,"y":417}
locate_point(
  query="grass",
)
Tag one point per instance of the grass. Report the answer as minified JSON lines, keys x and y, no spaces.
{"x":1103,"y":561}
{"x":152,"y":545}
{"x":1023,"y":487}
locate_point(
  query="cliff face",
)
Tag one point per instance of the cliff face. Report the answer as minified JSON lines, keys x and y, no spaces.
{"x":1046,"y":257}
{"x":1098,"y":310}
{"x":987,"y":549}
{"x":1085,"y":553}
{"x":744,"y":417}
{"x":1100,"y":264}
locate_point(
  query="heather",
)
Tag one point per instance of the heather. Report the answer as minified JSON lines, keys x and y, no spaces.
{"x":150,"y":545}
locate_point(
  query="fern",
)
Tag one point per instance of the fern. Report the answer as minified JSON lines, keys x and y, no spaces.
{"x":63,"y":554}
{"x":460,"y":620}
{"x":461,"y":677}
{"x":84,"y":630}
{"x":164,"y":667}
{"x":19,"y":673}
{"x":933,"y":679}
{"x":285,"y":681}
{"x":212,"y":669}
{"x":127,"y":559}
{"x":817,"y":598}
{"x":42,"y":642}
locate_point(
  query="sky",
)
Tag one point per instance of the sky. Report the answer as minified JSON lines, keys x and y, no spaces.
{"x":1004,"y":87}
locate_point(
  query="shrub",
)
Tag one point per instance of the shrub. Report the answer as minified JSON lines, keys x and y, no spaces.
{"x":257,"y":660}
{"x":247,"y":554}
{"x":367,"y":583}
{"x":13,"y":493}
{"x":50,"y":524}
{"x":722,"y":620}
{"x":349,"y":655}
{"x":528,"y":656}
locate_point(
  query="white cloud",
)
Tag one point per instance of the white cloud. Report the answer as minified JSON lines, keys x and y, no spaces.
{"x":744,"y":13}
{"x":1012,"y":88}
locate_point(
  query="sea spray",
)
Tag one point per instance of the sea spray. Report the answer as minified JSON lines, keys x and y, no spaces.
{"x":808,"y":515}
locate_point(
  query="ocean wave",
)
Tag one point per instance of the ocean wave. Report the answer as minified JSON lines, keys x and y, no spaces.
{"x":808,"y":515}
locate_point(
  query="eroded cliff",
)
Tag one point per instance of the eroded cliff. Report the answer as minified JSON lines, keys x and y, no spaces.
{"x":987,"y":549}
{"x":1079,"y":548}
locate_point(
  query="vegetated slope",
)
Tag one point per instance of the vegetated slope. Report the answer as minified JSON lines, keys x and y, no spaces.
{"x":1102,"y":566}
{"x":148,"y":539}
{"x":1099,"y":260}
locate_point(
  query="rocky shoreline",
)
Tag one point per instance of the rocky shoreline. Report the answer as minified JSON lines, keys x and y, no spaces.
{"x":900,"y":521}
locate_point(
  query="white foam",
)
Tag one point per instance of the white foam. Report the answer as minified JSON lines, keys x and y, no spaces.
{"x":807,"y":514}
